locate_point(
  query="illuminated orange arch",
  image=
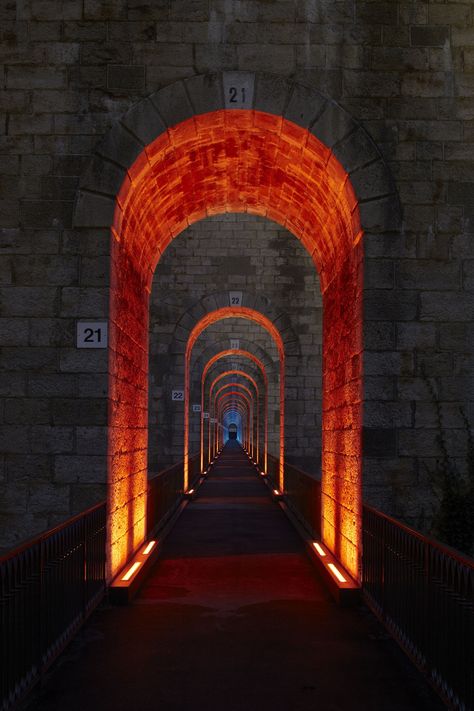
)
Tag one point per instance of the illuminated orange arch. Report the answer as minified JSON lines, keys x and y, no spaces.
{"x":250,"y":356}
{"x":235,"y":161}
{"x":250,"y":315}
{"x":229,"y":161}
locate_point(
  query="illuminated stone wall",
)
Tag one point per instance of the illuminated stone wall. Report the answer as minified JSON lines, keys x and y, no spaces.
{"x":404,"y":71}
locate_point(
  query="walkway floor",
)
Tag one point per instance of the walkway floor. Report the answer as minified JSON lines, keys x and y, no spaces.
{"x":233,"y":618}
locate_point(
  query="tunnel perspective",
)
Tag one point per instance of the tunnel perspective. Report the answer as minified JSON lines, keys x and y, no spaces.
{"x":249,"y":314}
{"x":220,"y":162}
{"x":233,"y":431}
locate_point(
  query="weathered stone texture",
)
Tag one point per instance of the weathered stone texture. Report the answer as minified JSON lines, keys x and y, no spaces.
{"x":403,"y":71}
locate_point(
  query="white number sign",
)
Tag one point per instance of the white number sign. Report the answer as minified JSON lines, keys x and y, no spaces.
{"x":235,"y":298}
{"x":213,"y":420}
{"x":177,"y":395}
{"x":238,"y":90}
{"x":92,"y":334}
{"x":196,"y":408}
{"x":205,"y":415}
{"x":235,"y":344}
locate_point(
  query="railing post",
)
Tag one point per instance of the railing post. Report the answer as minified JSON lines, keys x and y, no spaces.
{"x":84,"y":568}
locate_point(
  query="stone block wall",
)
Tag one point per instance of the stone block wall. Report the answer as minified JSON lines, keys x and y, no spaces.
{"x":404,"y":70}
{"x":237,"y":252}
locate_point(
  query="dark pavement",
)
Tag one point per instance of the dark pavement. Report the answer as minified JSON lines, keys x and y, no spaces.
{"x":233,"y":618}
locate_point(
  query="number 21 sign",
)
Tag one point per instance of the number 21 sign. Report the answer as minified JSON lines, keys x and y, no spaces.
{"x":92,"y":334}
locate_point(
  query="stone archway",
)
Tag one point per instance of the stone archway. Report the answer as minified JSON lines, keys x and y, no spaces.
{"x":291,"y":154}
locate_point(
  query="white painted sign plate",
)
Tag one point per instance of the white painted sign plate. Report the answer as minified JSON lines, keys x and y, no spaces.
{"x":213,"y":420}
{"x":92,"y":334}
{"x":235,"y":344}
{"x":196,"y":408}
{"x":177,"y":395}
{"x":205,"y":415}
{"x":235,"y":298}
{"x":238,"y":90}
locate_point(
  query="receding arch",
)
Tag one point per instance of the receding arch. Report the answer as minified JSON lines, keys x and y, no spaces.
{"x":178,"y":156}
{"x":239,"y":407}
{"x":250,"y":379}
{"x":251,"y":315}
{"x":237,"y":396}
{"x":253,"y":403}
{"x":260,"y":365}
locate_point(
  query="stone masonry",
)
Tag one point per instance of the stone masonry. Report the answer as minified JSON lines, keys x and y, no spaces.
{"x":253,"y":255}
{"x":403,"y":70}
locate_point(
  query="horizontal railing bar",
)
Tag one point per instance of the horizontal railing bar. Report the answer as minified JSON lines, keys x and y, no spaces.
{"x":31,"y":542}
{"x":442,"y":547}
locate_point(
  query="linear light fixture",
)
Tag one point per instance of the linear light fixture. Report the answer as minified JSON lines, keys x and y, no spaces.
{"x":131,"y":571}
{"x":337,"y":573}
{"x":149,"y":547}
{"x":319,"y":549}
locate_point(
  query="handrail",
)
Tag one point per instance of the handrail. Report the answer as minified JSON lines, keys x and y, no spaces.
{"x":48,"y":588}
{"x":165,"y":492}
{"x":442,"y":547}
{"x":421,"y":589}
{"x":423,"y":592}
{"x":51,"y":583}
{"x":30,"y":542}
{"x":302,"y":494}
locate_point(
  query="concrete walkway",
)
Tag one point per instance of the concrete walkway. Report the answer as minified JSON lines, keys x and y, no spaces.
{"x":233,"y":618}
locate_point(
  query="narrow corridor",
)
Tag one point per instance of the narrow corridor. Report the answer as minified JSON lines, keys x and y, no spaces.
{"x":233,"y":617}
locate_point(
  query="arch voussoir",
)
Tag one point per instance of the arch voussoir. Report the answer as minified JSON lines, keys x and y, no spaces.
{"x":305,"y":106}
{"x":120,"y":146}
{"x":272,"y":93}
{"x":205,"y":92}
{"x":333,"y":124}
{"x":144,"y":121}
{"x":173,"y":104}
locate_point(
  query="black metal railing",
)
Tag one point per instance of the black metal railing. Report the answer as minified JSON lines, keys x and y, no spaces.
{"x":165,"y":492}
{"x":273,"y":468}
{"x":48,"y":587}
{"x":420,"y":589}
{"x":302,"y":494}
{"x":424,"y":594}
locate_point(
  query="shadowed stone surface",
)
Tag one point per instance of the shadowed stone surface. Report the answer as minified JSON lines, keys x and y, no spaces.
{"x":231,"y":618}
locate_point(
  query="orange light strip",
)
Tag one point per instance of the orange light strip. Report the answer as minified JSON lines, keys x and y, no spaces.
{"x":131,"y":572}
{"x":337,"y":573}
{"x":149,"y":547}
{"x":319,"y":549}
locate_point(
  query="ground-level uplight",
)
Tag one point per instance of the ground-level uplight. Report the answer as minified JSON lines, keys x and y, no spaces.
{"x":337,"y":573}
{"x":131,"y":571}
